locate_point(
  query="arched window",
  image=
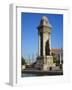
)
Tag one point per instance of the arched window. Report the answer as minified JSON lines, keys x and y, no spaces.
{"x":47,"y":48}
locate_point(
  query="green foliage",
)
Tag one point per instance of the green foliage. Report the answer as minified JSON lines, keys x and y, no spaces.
{"x":23,"y":61}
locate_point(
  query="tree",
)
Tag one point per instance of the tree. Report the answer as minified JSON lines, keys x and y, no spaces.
{"x":23,"y":61}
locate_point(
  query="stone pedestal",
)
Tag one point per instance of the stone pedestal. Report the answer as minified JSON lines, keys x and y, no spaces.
{"x":45,"y":63}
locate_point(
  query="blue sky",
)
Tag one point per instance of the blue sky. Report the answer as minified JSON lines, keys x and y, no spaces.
{"x":29,"y":32}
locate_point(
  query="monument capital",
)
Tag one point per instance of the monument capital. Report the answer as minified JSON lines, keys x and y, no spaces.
{"x":44,"y":22}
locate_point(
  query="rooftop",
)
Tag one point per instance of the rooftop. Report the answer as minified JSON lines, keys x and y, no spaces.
{"x":56,"y":50}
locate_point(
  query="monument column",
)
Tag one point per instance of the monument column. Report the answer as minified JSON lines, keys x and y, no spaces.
{"x":44,"y":37}
{"x":44,"y":60}
{"x":49,"y":34}
{"x":38,"y":44}
{"x":44,"y":44}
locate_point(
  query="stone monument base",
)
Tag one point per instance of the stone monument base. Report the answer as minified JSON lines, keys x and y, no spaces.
{"x":45,"y":63}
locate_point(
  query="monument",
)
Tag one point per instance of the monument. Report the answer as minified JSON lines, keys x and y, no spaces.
{"x":44,"y":58}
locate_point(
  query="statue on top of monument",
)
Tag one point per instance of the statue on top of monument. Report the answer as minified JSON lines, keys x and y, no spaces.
{"x":45,"y":22}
